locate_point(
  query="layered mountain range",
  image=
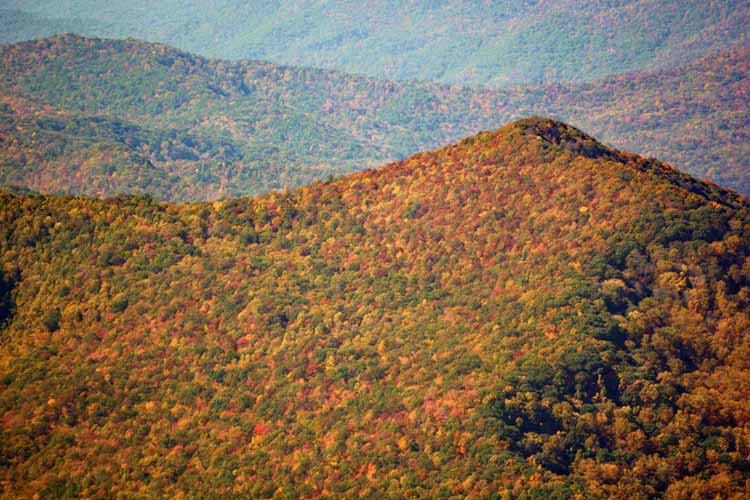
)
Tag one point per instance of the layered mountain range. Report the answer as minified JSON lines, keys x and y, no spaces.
{"x":469,"y":42}
{"x":527,"y":313}
{"x":101,"y":117}
{"x":211,"y":287}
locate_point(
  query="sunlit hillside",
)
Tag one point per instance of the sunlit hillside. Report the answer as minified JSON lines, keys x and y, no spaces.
{"x":524,"y":314}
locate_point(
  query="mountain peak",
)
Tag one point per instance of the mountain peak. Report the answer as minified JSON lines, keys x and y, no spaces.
{"x":553,"y":136}
{"x":549,"y":143}
{"x":565,"y":136}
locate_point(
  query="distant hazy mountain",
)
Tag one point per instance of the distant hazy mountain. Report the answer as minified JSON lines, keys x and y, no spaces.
{"x":100,"y":117}
{"x":527,"y":314}
{"x":466,"y":42}
{"x":17,"y":25}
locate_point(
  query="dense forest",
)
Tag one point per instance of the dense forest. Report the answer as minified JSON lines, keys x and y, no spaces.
{"x":468,"y":42}
{"x":525,"y":314}
{"x":101,"y":117}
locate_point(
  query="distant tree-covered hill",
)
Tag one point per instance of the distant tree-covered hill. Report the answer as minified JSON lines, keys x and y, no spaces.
{"x":99,"y":117}
{"x":525,"y":314}
{"x":464,"y":42}
{"x":18,"y":25}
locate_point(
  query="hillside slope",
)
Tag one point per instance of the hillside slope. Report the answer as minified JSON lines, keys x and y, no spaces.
{"x":468,"y":42}
{"x":209,"y":129}
{"x":524,"y":314}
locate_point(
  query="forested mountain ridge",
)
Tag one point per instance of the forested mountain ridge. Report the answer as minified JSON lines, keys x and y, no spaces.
{"x":51,"y":150}
{"x":470,"y":42}
{"x":525,"y":314}
{"x":145,"y":118}
{"x":79,"y":154}
{"x":207,"y":130}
